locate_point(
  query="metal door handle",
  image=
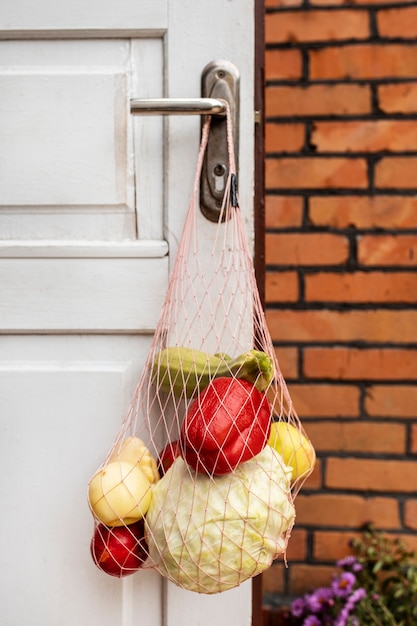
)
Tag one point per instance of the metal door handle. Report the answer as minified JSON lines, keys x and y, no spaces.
{"x":219,"y":82}
{"x":177,"y":106}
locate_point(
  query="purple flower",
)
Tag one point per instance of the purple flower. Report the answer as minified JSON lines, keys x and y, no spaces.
{"x":311,"y":620}
{"x":317,"y":600}
{"x":347,"y":561}
{"x":342,"y":585}
{"x":357,"y":596}
{"x":297,"y":607}
{"x":342,"y":618}
{"x":350,"y":562}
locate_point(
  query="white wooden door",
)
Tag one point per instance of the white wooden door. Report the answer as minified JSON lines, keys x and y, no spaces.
{"x":92,"y":203}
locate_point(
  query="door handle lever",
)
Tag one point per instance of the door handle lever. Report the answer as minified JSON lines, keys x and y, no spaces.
{"x":177,"y":106}
{"x":219,"y":83}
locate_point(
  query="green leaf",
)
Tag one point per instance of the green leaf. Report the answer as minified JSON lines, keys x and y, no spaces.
{"x":377,"y":567}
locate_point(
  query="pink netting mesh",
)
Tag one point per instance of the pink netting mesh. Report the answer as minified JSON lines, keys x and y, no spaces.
{"x":201,"y":480}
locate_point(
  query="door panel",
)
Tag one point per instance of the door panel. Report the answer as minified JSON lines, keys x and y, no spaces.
{"x":51,"y":16}
{"x":69,"y":154}
{"x":63,"y":413}
{"x":115,"y":288}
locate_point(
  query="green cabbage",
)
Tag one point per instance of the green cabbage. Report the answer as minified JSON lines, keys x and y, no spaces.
{"x":209,"y":534}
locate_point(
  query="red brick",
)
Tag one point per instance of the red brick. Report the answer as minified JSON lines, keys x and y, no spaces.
{"x":410,"y":514}
{"x":357,"y":436}
{"x":391,"y":401}
{"x":335,"y":326}
{"x":314,"y":481}
{"x":398,"y":22}
{"x":361,"y":286}
{"x":364,"y":61}
{"x":398,"y":98}
{"x":313,"y":400}
{"x":316,"y":173}
{"x":365,"y":136}
{"x":396,"y":173}
{"x":353,"y":364}
{"x":409,"y":540}
{"x":312,"y":26}
{"x":288,"y":361}
{"x":329,"y":545}
{"x":332,"y":546}
{"x":281,"y":287}
{"x":351,"y":2}
{"x":346,"y":511}
{"x":305,"y":249}
{"x":284,"y":137}
{"x":360,"y":364}
{"x":393,"y":212}
{"x":297,"y":545}
{"x":283,"y":211}
{"x":307,"y":577}
{"x":413,"y":442}
{"x":282,"y":3}
{"x":283,"y":64}
{"x":398,"y":250}
{"x":314,"y":100}
{"x":273,"y":579}
{"x":372,"y":475}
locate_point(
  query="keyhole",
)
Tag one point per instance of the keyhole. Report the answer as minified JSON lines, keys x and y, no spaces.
{"x":219,"y":172}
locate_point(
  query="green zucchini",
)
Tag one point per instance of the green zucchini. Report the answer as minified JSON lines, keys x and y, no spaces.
{"x":187,"y":371}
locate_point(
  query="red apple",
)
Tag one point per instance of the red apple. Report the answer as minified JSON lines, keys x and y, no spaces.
{"x":119,"y":551}
{"x":168,"y":455}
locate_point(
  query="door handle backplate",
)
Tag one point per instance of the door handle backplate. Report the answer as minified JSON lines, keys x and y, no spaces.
{"x":219,"y":80}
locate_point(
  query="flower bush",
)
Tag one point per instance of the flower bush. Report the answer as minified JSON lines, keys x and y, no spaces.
{"x":375,"y":585}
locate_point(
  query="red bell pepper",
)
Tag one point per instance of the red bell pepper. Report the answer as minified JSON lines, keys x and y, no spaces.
{"x":227,"y":424}
{"x":168,"y":455}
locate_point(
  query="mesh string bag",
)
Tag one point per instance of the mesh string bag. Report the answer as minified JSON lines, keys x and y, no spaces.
{"x":200,"y":482}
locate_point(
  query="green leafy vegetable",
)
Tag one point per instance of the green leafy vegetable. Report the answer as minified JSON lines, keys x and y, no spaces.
{"x":209,"y":534}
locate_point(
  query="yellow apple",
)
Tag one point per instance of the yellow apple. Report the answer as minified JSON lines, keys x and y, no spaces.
{"x":119,"y":494}
{"x":133,"y":450}
{"x":295,"y":449}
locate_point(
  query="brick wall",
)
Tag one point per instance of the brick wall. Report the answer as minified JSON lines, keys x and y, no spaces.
{"x":341,"y":254}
